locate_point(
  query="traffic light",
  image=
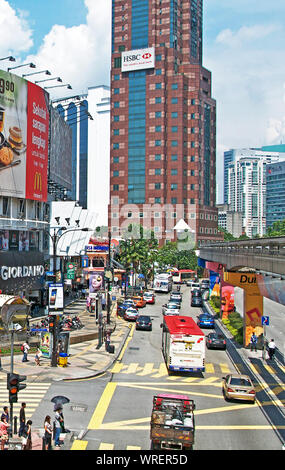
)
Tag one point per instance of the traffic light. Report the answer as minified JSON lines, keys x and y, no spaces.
{"x":14,"y":386}
{"x":51,"y":324}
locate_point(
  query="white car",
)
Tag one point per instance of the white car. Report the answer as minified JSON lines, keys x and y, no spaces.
{"x":171,"y":311}
{"x":195,"y":285}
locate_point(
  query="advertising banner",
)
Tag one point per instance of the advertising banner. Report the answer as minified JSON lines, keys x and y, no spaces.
{"x":96,"y":282}
{"x":55,"y":298}
{"x":24,"y":130}
{"x":138,"y":59}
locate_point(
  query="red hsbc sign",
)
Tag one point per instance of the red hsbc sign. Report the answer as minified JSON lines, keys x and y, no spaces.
{"x":138,"y":59}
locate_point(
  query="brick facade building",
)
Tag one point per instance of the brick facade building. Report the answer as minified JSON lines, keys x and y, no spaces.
{"x":163,"y":120}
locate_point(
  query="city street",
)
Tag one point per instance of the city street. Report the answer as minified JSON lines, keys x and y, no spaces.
{"x":114,"y":410}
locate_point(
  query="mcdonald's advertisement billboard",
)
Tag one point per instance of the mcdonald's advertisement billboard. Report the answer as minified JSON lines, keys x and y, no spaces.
{"x":24,"y":131}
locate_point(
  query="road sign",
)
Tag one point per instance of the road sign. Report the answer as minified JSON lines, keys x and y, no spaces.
{"x":265,"y":321}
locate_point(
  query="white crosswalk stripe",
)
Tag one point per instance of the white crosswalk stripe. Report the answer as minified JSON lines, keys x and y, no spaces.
{"x":31,"y":395}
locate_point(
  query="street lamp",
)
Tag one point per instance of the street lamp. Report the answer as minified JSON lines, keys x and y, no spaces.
{"x":55,"y":237}
{"x":47,"y":72}
{"x":49,"y":79}
{"x":10,"y":57}
{"x":58,"y":86}
{"x":31,"y":65}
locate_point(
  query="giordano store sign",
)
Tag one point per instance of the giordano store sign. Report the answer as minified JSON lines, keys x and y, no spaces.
{"x":19,"y":271}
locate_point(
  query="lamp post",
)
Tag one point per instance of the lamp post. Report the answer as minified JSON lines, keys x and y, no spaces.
{"x":9,"y":57}
{"x":47,"y":72}
{"x":55,"y":237}
{"x":58,"y":79}
{"x":31,"y":65}
{"x":58,"y":86}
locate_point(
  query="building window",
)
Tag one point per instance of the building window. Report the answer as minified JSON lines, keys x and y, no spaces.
{"x":157,"y":156}
{"x":174,"y":129}
{"x":174,"y":115}
{"x":158,"y":114}
{"x":158,"y":72}
{"x":157,"y":171}
{"x":174,"y":171}
{"x":158,"y":86}
{"x":116,"y":160}
{"x":174,"y":86}
{"x":157,"y":128}
{"x":115,"y":173}
{"x":174,"y":200}
{"x":116,"y":91}
{"x":157,"y":143}
{"x":116,"y":118}
{"x":116,"y":104}
{"x":117,"y":62}
{"x":157,"y":186}
{"x":116,"y":77}
{"x":116,"y":146}
{"x":158,"y":57}
{"x":174,"y":158}
{"x":157,"y":200}
{"x":116,"y":131}
{"x":174,"y":143}
{"x":173,"y":186}
{"x":174,"y":100}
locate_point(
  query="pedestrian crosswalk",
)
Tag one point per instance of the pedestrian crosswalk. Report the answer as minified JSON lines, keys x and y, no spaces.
{"x":160,"y":370}
{"x":31,"y":395}
{"x":82,"y":445}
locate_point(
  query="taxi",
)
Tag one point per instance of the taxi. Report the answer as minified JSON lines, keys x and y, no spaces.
{"x":139,"y":301}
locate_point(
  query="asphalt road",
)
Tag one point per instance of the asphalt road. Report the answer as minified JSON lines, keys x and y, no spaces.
{"x":115,"y":409}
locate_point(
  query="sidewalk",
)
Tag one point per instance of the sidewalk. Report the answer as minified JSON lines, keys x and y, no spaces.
{"x":85,"y":358}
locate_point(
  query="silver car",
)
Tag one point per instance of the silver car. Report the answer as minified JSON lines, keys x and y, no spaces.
{"x":238,"y":387}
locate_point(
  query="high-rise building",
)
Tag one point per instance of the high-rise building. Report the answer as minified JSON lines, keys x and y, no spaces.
{"x":275,"y":193}
{"x":88,"y":115}
{"x":163,"y":119}
{"x":277,"y":152}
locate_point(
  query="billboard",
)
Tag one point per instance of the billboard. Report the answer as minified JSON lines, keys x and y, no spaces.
{"x":24,"y":131}
{"x":96,"y":282}
{"x":138,"y":59}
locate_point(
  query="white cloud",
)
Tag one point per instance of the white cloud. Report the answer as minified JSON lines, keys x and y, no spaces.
{"x":245,"y":34}
{"x":80,"y":55}
{"x":15,"y":35}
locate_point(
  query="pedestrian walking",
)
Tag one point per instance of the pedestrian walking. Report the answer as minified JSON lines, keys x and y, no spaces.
{"x":107,"y":340}
{"x":48,"y":433}
{"x":27,"y":436}
{"x":5,"y":414}
{"x":38,"y":357}
{"x":25,"y":349}
{"x":58,"y":420}
{"x":253,"y":342}
{"x":271,"y":349}
{"x":4,"y":436}
{"x":22,"y":419}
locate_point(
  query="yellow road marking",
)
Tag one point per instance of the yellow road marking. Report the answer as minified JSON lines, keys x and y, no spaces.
{"x":79,"y":445}
{"x":105,"y":446}
{"x":269,"y":369}
{"x":209,"y":369}
{"x":117,"y":368}
{"x":85,"y":349}
{"x":102,"y":406}
{"x":147,"y":370}
{"x":225,"y":368}
{"x":132,"y":368}
{"x":130,"y":337}
{"x":133,"y":448}
{"x":254,"y":368}
{"x":162,"y":371}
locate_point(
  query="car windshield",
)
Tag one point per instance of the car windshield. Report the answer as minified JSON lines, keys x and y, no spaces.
{"x":171,"y":306}
{"x":144,"y":318}
{"x":205,"y":317}
{"x":240,"y":382}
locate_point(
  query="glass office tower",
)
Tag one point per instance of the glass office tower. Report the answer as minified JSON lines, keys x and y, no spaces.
{"x":163,"y":119}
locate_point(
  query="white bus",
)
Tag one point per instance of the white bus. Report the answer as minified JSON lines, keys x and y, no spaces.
{"x":162,"y":282}
{"x":183,"y":344}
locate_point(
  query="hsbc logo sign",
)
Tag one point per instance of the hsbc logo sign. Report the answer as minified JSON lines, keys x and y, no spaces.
{"x":138,"y":59}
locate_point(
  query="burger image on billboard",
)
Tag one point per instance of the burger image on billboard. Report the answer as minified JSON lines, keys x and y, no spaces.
{"x":23,"y":138}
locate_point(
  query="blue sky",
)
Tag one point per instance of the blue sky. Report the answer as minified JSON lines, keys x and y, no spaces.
{"x":244,"y":43}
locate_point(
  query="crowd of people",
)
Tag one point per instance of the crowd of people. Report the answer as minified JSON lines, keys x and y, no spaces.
{"x":51,"y":430}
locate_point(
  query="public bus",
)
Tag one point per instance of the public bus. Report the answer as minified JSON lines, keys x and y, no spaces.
{"x":183,"y":344}
{"x":162,"y":282}
{"x":183,"y":275}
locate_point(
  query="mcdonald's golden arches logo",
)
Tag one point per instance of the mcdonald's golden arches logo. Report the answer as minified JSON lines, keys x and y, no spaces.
{"x":38,"y":181}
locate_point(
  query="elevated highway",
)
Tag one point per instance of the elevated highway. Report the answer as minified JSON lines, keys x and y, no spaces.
{"x":264,"y":255}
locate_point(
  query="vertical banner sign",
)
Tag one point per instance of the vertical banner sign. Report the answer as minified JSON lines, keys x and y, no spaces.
{"x":253,"y":302}
{"x":37,"y":143}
